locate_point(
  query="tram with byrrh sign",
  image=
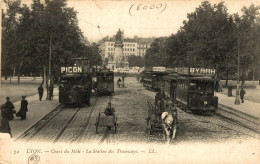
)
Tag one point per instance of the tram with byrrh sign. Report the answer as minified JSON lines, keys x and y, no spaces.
{"x":105,"y":81}
{"x":192,"y":89}
{"x":75,"y":83}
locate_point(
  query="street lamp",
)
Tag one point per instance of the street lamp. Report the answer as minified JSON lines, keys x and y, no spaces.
{"x":237,"y":101}
{"x":49,"y":80}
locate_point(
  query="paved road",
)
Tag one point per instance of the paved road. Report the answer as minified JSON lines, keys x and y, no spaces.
{"x":78,"y":124}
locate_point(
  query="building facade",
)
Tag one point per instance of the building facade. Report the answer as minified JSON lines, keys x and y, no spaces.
{"x":137,"y":46}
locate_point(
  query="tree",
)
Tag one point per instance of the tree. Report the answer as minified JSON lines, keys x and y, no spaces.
{"x":135,"y":61}
{"x":248,"y":33}
{"x":9,"y":33}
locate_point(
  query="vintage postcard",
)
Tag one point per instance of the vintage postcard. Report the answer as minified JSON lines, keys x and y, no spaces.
{"x":128,"y":81}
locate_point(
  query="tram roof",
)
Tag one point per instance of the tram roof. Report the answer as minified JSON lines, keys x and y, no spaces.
{"x":75,"y":75}
{"x":191,"y":77}
{"x":105,"y":71}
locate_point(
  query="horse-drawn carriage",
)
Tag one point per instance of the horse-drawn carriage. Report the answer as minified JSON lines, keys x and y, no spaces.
{"x":162,"y":116}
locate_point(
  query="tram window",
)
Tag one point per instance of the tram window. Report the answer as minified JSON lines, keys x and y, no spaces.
{"x":193,"y":86}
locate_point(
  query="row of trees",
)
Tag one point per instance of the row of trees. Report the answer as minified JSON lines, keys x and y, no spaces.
{"x":211,"y":37}
{"x":30,"y":34}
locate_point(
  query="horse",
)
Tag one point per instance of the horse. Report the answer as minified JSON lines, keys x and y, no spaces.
{"x":169,"y":124}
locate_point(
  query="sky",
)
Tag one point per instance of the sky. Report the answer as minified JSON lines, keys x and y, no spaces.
{"x":152,"y":18}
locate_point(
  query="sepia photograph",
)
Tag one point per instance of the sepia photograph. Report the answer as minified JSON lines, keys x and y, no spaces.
{"x":128,"y":81}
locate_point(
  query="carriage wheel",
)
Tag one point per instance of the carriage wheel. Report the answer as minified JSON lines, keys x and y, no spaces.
{"x":97,"y":125}
{"x":149,"y":128}
{"x":115,"y":125}
{"x":174,"y":130}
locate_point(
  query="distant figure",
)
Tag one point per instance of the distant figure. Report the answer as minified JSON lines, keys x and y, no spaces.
{"x":51,"y":91}
{"x":109,"y":110}
{"x":9,"y":106}
{"x":220,"y":86}
{"x":24,"y":108}
{"x":242,"y":94}
{"x":118,"y":82}
{"x":40,"y":91}
{"x":5,"y":127}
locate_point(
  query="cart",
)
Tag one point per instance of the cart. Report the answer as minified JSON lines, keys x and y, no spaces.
{"x":108,"y":121}
{"x":154,"y":122}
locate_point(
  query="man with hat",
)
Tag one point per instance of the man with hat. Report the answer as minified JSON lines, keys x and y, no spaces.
{"x":40,"y":91}
{"x":109,"y":110}
{"x":9,"y":107}
{"x":5,"y":127}
{"x":159,"y":99}
{"x":23,"y":109}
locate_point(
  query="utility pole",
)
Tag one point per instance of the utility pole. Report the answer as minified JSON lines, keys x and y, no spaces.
{"x":49,"y":79}
{"x":237,"y":101}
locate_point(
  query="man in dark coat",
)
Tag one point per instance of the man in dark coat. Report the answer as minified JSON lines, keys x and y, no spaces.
{"x":40,"y":91}
{"x":160,"y":96}
{"x":109,"y":110}
{"x":9,"y":106}
{"x":5,"y":127}
{"x":51,"y":91}
{"x":24,"y":109}
{"x":242,"y":93}
{"x":118,"y":82}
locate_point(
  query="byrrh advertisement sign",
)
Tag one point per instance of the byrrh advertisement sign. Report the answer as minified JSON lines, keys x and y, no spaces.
{"x":202,"y":71}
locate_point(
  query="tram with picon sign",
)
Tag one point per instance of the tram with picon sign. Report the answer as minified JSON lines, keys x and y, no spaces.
{"x":153,"y":80}
{"x":105,"y":81}
{"x":75,"y":83}
{"x":192,"y":89}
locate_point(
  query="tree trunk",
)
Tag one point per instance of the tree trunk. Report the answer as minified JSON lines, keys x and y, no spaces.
{"x":227,"y":78}
{"x":14,"y":72}
{"x":253,"y":75}
{"x":19,"y":72}
{"x":10,"y":76}
{"x":44,"y":76}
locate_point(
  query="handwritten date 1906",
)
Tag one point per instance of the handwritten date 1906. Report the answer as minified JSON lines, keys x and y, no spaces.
{"x":138,"y":7}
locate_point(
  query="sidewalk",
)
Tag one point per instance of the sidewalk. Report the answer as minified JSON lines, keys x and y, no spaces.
{"x":248,"y":107}
{"x":36,"y":110}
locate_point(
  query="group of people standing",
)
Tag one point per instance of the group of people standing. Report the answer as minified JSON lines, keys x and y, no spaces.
{"x":7,"y":113}
{"x":8,"y":110}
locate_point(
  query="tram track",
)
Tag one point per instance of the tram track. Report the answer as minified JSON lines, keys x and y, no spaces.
{"x":51,"y":121}
{"x":35,"y":129}
{"x":246,"y":130}
{"x":87,"y":121}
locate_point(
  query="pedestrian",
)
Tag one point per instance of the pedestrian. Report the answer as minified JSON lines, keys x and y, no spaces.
{"x":23,"y":109}
{"x":242,"y":94}
{"x":40,"y":91}
{"x":9,"y":106}
{"x":118,"y":82}
{"x":220,"y":85}
{"x":5,"y":127}
{"x":51,"y":91}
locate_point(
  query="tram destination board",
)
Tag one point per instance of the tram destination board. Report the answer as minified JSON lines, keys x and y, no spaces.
{"x":72,"y":69}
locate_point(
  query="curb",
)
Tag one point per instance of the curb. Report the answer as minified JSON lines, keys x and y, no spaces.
{"x":243,"y":113}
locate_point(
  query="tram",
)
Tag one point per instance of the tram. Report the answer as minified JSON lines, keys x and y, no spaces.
{"x":75,"y":83}
{"x":105,"y":81}
{"x":153,"y":80}
{"x":192,"y":89}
